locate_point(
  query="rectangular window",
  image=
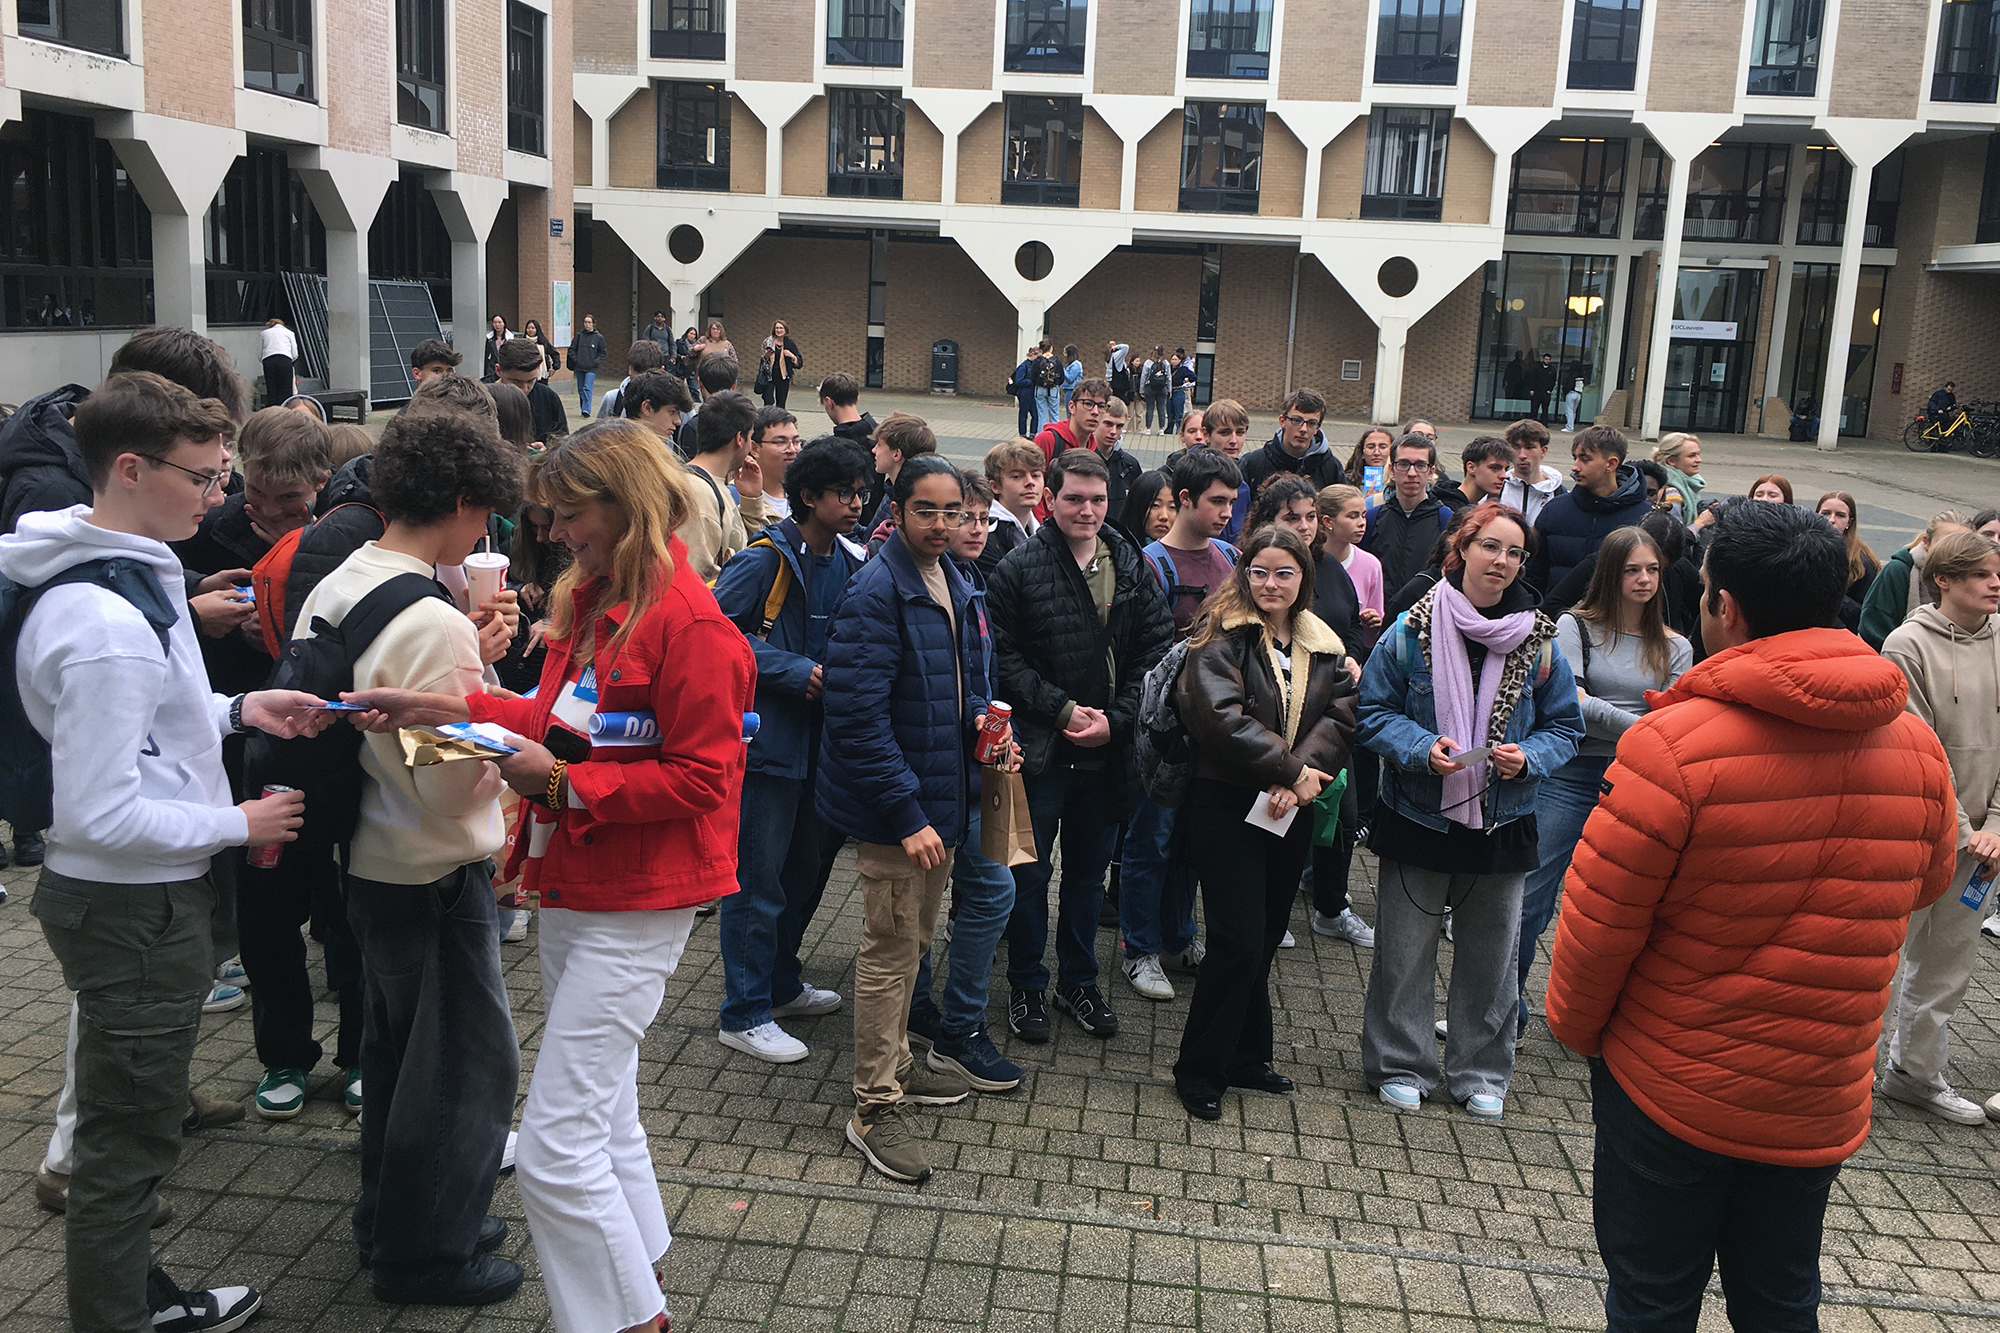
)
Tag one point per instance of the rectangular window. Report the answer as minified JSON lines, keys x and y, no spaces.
{"x":1568,"y":187}
{"x":420,"y":63}
{"x":1604,"y":45}
{"x":261,"y":225}
{"x":1651,"y":222}
{"x":1989,"y":195}
{"x":1230,"y":39}
{"x":1416,"y":41}
{"x":1208,"y":308}
{"x":1044,"y":162}
{"x":407,"y":240}
{"x":864,"y":32}
{"x":693,"y":136}
{"x":689,"y":30}
{"x":1736,"y":192}
{"x":1046,"y":36}
{"x":278,"y":47}
{"x":1222,"y":156}
{"x":76,"y":241}
{"x":1404,"y":174}
{"x":864,"y":148}
{"x":1968,"y":53}
{"x":1809,"y":337}
{"x":1784,"y":48}
{"x":527,"y":63}
{"x":1823,"y":198}
{"x":1541,"y":305}
{"x":92,"y":25}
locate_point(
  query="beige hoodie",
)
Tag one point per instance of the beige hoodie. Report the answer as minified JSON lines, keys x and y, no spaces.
{"x":1955,"y":687}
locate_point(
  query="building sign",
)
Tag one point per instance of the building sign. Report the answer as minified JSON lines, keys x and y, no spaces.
{"x":555,"y":227}
{"x":1708,"y":330}
{"x":559,"y":314}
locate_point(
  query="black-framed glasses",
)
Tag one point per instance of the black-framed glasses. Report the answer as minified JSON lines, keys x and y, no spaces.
{"x":210,"y":481}
{"x":846,"y":495}
{"x":1410,"y":465}
{"x":1099,"y":403}
{"x":1295,"y":421}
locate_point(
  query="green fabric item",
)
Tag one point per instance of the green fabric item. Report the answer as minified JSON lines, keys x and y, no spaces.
{"x":1326,"y":810}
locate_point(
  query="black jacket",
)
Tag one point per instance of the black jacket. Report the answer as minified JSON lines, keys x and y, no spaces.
{"x":1337,"y":603}
{"x":1402,"y":542}
{"x":587,"y":351}
{"x":1319,"y":466}
{"x":1048,"y":645}
{"x":551,"y":422}
{"x":331,"y":537}
{"x":40,"y":468}
{"x":1451,"y":495}
{"x":1575,"y":523}
{"x":861,"y":430}
{"x":236,"y":662}
{"x":1125,"y":472}
{"x":490,"y":371}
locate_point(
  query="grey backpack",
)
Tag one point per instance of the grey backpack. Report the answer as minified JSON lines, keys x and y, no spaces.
{"x":1160,"y":741}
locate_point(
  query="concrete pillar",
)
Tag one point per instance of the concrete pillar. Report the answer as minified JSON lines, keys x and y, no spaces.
{"x":1392,"y":335}
{"x":468,"y":204}
{"x":177,"y":166}
{"x":1669,"y":283}
{"x":1864,"y":143}
{"x":346,"y":190}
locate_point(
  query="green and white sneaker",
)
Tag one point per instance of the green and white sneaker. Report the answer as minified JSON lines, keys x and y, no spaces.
{"x":350,"y":1091}
{"x":281,"y":1093}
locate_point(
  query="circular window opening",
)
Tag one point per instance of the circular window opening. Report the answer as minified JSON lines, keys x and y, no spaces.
{"x":1396,"y":277}
{"x":1034,"y":260}
{"x":684,"y":243}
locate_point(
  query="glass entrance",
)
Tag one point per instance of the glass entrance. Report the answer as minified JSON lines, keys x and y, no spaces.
{"x":1708,"y":359}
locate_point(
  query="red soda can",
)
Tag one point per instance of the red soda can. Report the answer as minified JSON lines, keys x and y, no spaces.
{"x":264,"y":856}
{"x":994,"y":732}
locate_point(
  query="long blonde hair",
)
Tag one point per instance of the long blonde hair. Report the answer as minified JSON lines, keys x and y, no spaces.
{"x":616,"y":462}
{"x":1859,"y":556}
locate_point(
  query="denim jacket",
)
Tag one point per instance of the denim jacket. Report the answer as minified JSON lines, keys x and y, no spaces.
{"x":1398,"y":720}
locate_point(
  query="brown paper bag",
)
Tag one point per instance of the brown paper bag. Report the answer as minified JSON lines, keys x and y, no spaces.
{"x":1006,"y":834}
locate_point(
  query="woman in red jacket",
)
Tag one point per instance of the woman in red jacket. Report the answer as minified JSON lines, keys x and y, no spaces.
{"x":621,"y":847}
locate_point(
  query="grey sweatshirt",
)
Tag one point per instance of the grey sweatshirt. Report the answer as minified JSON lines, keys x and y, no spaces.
{"x":1616,"y":680}
{"x":1955,"y":687}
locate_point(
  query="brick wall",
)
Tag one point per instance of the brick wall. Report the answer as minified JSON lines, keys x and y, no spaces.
{"x":360,"y":88}
{"x":1103,"y":163}
{"x":1282,"y":187}
{"x":1139,"y":297}
{"x":190,"y":49}
{"x":1712,"y":27}
{"x":1128,"y":63}
{"x":579,"y":136}
{"x":805,"y":156}
{"x":981,"y":152}
{"x":503,"y":263}
{"x":478,"y":118}
{"x":1438,"y":358}
{"x":1320,"y":59}
{"x":954,"y":48}
{"x":819,"y":287}
{"x":774,"y":40}
{"x":923,"y":156}
{"x":1158,"y":189}
{"x":936,"y":291}
{"x":1341,"y":169}
{"x":606,"y":36}
{"x":1468,"y":176}
{"x":1939,"y":325}
{"x":1770,"y":342}
{"x":1333,"y":329}
{"x":1927,"y":169}
{"x":635,"y":146}
{"x":1514,"y":52}
{"x":1879,"y":59}
{"x":606,"y":292}
{"x":746,"y":149}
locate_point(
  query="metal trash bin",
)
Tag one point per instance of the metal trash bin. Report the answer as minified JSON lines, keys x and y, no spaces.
{"x":944,"y":366}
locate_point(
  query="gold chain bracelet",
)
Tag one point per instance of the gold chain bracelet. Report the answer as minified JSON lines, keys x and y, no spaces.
{"x":555,"y":784}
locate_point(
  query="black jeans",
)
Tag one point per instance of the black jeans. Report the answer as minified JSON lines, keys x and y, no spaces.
{"x":1332,"y":865}
{"x":439,"y":1067}
{"x":1248,"y":881}
{"x":271,"y":905}
{"x":1668,"y":1212}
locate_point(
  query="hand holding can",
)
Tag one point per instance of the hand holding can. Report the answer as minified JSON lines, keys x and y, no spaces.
{"x":274,"y":820}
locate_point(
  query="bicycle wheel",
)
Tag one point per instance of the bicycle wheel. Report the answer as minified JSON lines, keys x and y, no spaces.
{"x":1914,"y":439}
{"x":1985,"y":442}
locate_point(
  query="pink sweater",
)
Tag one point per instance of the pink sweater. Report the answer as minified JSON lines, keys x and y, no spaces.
{"x":1366,"y":571}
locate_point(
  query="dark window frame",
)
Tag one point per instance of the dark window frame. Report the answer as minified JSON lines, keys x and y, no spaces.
{"x":92,"y":30}
{"x":1968,"y":52}
{"x":1230,"y":39}
{"x":1786,"y":64}
{"x":691,"y":30}
{"x":1417,"y":41}
{"x":1823,"y":199}
{"x":850,"y":138}
{"x":261,"y":226}
{"x":271,"y":28}
{"x":1037,"y":167}
{"x":865,"y":32}
{"x":421,"y":98}
{"x":1604,"y":44}
{"x":76,"y":240}
{"x":1046,"y":36}
{"x":679,"y":124}
{"x":408,"y":242}
{"x":1749,"y":208}
{"x":1989,"y":195}
{"x":1599,"y":206}
{"x":1215,"y":186}
{"x":1418,"y":205}
{"x":527,"y":79}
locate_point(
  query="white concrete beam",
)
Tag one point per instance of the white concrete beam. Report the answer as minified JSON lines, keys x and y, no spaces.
{"x":1505,"y":129}
{"x":1316,"y":124}
{"x":777,"y":105}
{"x":1681,"y":136}
{"x":346,"y":190}
{"x":952,"y":110}
{"x":603,"y":96}
{"x":468,"y":204}
{"x":177,"y":166}
{"x":1863,"y":143}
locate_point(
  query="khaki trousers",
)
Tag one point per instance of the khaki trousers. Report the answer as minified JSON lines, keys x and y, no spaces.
{"x":899,"y":916}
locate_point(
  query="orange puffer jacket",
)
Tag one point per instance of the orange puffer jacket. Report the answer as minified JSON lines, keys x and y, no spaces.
{"x":1733,"y":913}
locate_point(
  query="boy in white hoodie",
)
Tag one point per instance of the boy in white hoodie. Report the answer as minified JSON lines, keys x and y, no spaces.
{"x":141,"y":803}
{"x":1530,"y":483}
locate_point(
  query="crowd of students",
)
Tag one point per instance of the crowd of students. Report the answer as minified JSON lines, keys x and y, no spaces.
{"x":1463,"y":674}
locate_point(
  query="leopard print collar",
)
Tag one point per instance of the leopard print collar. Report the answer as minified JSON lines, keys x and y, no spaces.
{"x":1513,"y":678}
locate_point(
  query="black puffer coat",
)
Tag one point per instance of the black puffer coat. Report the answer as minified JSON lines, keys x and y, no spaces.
{"x":40,"y":468}
{"x":332,"y":537}
{"x":1048,"y":646}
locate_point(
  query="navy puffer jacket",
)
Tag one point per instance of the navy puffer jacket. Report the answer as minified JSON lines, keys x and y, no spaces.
{"x":1574,"y":524}
{"x":896,"y":752}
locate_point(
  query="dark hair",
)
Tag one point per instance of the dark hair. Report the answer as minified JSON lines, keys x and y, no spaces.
{"x":1602,"y":604}
{"x":1415,"y":441}
{"x":141,"y":413}
{"x":430,"y":459}
{"x":197,"y":364}
{"x":643,"y":356}
{"x":724,"y":416}
{"x":1075,"y":463}
{"x":1278,"y":492}
{"x":1102,"y":388}
{"x":517,"y":354}
{"x":1139,"y":497}
{"x":1528,"y":433}
{"x":826,"y":464}
{"x":1787,"y":569}
{"x":716,"y":372}
{"x":655,"y":389}
{"x":512,"y":414}
{"x":768,"y":417}
{"x":1305,"y":402}
{"x":1198,"y":469}
{"x":433,"y":352}
{"x":976,"y":486}
{"x":1485,"y":447}
{"x":1070,"y":354}
{"x":460,"y":392}
{"x":1668,"y":533}
{"x":841,"y":389}
{"x":1607,"y":441}
{"x":1357,"y":460}
{"x":914,"y":471}
{"x":1653,"y":472}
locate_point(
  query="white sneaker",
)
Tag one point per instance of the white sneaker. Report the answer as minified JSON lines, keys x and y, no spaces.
{"x":1941,"y":1102}
{"x":768,"y":1042}
{"x":1188,"y":959}
{"x":506,"y":1153}
{"x":1439,"y":1028}
{"x":222,"y":997}
{"x":517,"y":929}
{"x":810,"y":1002}
{"x":1288,"y":942}
{"x":1446,"y":927}
{"x":1991,"y":926}
{"x":1993,"y":1106}
{"x":1346,"y":926}
{"x":1146,"y":977}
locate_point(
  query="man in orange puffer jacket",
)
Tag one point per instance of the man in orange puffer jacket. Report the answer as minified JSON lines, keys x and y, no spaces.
{"x":1730,"y":930}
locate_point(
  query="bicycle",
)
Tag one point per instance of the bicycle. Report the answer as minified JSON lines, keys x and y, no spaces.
{"x":1928,"y":435}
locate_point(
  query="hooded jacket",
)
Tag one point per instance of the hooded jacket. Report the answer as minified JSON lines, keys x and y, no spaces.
{"x":40,"y":467}
{"x":1402,"y":542}
{"x":587,"y":351}
{"x":1734,"y":911}
{"x":1318,"y":465}
{"x":1531,"y":497}
{"x":1890,"y":598}
{"x":1575,"y":523}
{"x":135,"y":738}
{"x":1228,"y":693}
{"x":1955,"y":688}
{"x":331,"y":537}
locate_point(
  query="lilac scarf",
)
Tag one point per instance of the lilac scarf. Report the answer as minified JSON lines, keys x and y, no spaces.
{"x":1463,"y":713}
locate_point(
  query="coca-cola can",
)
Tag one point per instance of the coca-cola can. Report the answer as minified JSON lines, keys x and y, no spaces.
{"x":994,"y":732}
{"x":264,"y":856}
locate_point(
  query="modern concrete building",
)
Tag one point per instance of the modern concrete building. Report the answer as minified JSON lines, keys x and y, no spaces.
{"x":209,"y":162}
{"x":1404,"y":203}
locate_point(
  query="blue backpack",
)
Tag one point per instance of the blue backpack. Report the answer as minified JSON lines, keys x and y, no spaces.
{"x":27,"y":776}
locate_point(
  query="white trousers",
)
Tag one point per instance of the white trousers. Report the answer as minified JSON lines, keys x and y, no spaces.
{"x":1938,"y":953}
{"x":585,"y":1175}
{"x":60,"y":1142}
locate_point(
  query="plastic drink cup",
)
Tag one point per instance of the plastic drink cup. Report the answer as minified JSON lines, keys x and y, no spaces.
{"x":485,"y":574}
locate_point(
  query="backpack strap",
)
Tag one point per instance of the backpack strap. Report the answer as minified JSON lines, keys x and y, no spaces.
{"x":371,"y":615}
{"x":130,"y":579}
{"x":781,"y":587}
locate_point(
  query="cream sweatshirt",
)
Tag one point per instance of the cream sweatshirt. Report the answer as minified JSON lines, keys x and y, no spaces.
{"x":417,"y":824}
{"x":1955,"y":687}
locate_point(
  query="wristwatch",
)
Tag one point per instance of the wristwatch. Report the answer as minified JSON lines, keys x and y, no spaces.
{"x":236,"y":715}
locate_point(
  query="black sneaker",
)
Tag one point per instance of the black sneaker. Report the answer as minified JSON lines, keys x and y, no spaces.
{"x":484,"y":1281}
{"x":1086,"y":1005}
{"x":1027,"y":1016}
{"x":926,"y":1025}
{"x":216,"y":1311}
{"x":492,"y":1235}
{"x":29,"y":848}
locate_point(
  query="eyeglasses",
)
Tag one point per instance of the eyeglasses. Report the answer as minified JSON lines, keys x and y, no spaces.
{"x":846,"y":496}
{"x":1295,"y":421}
{"x":938,"y":518}
{"x":1513,"y":555}
{"x":977,"y":521}
{"x":1259,"y":574}
{"x":1098,"y":404}
{"x":210,"y":481}
{"x":1406,"y":465}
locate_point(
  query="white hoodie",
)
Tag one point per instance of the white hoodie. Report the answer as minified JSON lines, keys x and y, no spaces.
{"x":1530,"y":499}
{"x":140,"y":795}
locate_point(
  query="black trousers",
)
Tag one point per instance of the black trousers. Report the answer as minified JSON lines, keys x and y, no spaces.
{"x":279,"y":383}
{"x":1248,"y":881}
{"x":271,"y":905}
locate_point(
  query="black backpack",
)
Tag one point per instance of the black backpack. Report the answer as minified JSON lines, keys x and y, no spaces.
{"x":27,"y":776}
{"x":1156,"y":378}
{"x":1048,"y":373}
{"x":327,"y":767}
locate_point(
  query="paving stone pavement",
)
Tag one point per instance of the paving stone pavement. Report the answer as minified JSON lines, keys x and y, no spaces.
{"x":1085,"y":1201}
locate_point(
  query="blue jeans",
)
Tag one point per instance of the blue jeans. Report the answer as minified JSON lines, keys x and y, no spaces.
{"x":1048,"y":407}
{"x":1025,"y":423}
{"x":784,"y":852}
{"x":982,"y":891}
{"x":1074,"y":802}
{"x":586,"y":380}
{"x":1564,"y":802}
{"x":1155,"y":889}
{"x":1667,"y":1213}
{"x":1176,"y":410}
